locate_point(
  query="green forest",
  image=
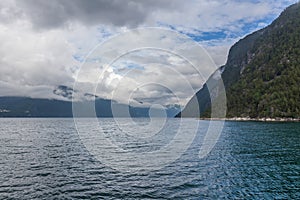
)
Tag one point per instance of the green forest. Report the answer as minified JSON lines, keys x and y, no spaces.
{"x":262,"y":73}
{"x":269,"y":84}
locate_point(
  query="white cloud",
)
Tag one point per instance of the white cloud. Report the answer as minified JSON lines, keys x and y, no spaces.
{"x":156,"y":63}
{"x":33,"y":59}
{"x":43,"y":49}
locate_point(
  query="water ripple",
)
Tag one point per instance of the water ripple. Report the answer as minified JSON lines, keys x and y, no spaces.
{"x":44,"y":159}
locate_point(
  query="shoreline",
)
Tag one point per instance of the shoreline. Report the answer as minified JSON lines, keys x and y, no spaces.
{"x":245,"y":119}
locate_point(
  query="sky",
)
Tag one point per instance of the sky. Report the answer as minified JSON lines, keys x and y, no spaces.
{"x":45,"y":44}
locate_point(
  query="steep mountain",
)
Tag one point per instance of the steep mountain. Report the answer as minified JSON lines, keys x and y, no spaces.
{"x":262,"y":73}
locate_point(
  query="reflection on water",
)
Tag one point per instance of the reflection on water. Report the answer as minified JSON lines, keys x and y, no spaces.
{"x":44,"y":158}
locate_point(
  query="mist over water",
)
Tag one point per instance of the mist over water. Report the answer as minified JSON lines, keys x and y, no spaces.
{"x":45,"y":158}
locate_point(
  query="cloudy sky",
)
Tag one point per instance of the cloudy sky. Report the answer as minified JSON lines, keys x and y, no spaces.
{"x":46,"y":43}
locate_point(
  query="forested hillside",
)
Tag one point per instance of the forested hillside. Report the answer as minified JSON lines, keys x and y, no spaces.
{"x":262,"y":73}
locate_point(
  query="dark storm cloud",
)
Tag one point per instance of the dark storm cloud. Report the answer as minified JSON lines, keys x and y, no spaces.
{"x":56,"y":13}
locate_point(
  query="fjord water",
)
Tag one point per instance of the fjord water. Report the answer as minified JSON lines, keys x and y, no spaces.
{"x":45,"y":159}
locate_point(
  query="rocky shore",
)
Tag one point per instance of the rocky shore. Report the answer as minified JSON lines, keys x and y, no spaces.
{"x":256,"y":119}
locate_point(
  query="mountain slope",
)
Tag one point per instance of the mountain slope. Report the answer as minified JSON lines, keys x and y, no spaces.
{"x":262,"y":72}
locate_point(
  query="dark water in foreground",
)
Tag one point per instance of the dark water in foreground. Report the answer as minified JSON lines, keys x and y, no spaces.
{"x":44,"y":159}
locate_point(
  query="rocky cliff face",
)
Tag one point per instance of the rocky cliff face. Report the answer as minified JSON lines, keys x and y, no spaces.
{"x":262,"y":73}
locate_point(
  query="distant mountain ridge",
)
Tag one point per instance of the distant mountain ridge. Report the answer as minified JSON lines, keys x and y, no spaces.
{"x":34,"y":107}
{"x":38,"y":107}
{"x":262,"y":73}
